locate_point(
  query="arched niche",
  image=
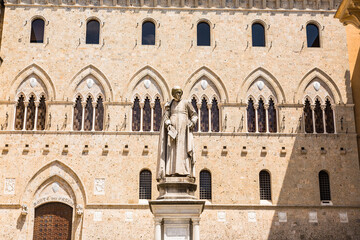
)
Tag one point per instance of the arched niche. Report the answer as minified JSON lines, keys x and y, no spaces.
{"x":261,"y":88}
{"x":214,"y":87}
{"x":22,"y":81}
{"x":89,"y":86}
{"x":318,"y":89}
{"x":270,"y":85}
{"x":157,"y":83}
{"x":147,"y":87}
{"x":326,"y":82}
{"x":81,"y":79}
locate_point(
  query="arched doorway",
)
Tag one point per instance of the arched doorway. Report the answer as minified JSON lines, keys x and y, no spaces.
{"x":53,"y":221}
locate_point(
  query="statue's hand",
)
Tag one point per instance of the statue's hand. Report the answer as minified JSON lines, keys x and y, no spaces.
{"x":191,"y":125}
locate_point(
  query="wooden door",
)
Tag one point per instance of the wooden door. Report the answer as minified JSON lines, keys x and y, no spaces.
{"x":53,"y":222}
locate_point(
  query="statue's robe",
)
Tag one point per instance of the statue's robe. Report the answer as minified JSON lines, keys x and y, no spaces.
{"x":176,"y":156}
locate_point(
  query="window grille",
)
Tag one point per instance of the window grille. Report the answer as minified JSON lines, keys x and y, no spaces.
{"x":194,"y":104}
{"x":203,"y":34}
{"x":99,"y":115}
{"x":205,"y":185}
{"x":37,"y":31}
{"x":148,"y":33}
{"x":258,"y":35}
{"x":92,"y":32}
{"x":77,"y":114}
{"x":265,"y":185}
{"x":329,"y":117}
{"x":215,"y":116}
{"x":319,"y":121}
{"x":88,"y":115}
{"x":145,"y":185}
{"x":30,"y":114}
{"x":20,"y":112}
{"x":261,"y":116}
{"x":251,"y":116}
{"x":272,"y":117}
{"x":147,"y":115}
{"x":41,"y":117}
{"x":136,"y":111}
{"x":204,"y":125}
{"x":312,"y":35}
{"x":324,"y":184}
{"x":308,"y":117}
{"x":157,"y":114}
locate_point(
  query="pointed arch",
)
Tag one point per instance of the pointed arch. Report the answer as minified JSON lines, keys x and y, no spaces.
{"x":99,"y":76}
{"x":264,"y":75}
{"x":317,"y":73}
{"x":205,"y":72}
{"x":40,"y":74}
{"x":59,"y":170}
{"x":154,"y":75}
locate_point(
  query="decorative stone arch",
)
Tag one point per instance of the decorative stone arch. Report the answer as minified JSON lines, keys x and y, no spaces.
{"x":99,"y":78}
{"x":73,"y":194}
{"x":322,"y":77}
{"x":155,"y":78}
{"x":36,"y":71}
{"x":205,"y":73}
{"x":268,"y":78}
{"x":308,"y":98}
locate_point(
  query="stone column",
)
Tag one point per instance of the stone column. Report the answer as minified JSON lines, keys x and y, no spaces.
{"x":157,"y":228}
{"x":152,"y":105}
{"x":334,"y":118}
{"x":141,"y":116}
{"x":196,"y":228}
{"x":209,"y":112}
{"x":199,"y":120}
{"x":93,"y":117}
{"x":25,"y":115}
{"x":313,"y":117}
{"x":256,"y":107}
{"x":83,"y":116}
{"x":266,"y":106}
{"x":324,"y":120}
{"x":36,"y":115}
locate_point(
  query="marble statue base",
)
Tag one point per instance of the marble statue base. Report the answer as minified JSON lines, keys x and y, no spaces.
{"x":177,"y":188}
{"x":177,"y":219}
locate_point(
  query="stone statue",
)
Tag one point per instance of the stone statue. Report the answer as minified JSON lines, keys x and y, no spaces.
{"x":176,"y":156}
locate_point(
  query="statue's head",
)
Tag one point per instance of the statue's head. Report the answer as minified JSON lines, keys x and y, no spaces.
{"x":177,"y":92}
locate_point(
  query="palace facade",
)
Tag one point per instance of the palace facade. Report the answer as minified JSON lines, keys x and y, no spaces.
{"x":84,"y":83}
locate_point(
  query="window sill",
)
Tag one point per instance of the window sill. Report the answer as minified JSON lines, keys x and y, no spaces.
{"x":326,"y":203}
{"x":265,"y":202}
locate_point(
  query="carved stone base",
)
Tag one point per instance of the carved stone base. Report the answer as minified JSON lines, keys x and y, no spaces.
{"x":177,"y":188}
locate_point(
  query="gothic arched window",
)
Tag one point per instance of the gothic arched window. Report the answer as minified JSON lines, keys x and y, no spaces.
{"x":194,"y":104}
{"x":20,"y":112}
{"x":258,"y":35}
{"x":77,"y":114}
{"x":251,"y":116}
{"x":136,"y":111}
{"x":319,"y":120}
{"x":148,"y":33}
{"x":203,"y":34}
{"x":37,"y":31}
{"x":88,"y":120}
{"x":265,"y":185}
{"x":215,"y":116}
{"x":204,"y":116}
{"x":312,"y":35}
{"x":41,"y":116}
{"x":329,"y":117}
{"x":261,"y":116}
{"x":92,"y":32}
{"x":272,"y":117}
{"x":205,"y":185}
{"x":147,"y":115}
{"x":30,"y":114}
{"x":157,"y":114}
{"x":324,"y":184}
{"x":99,"y":115}
{"x":309,"y":128}
{"x":145,"y":185}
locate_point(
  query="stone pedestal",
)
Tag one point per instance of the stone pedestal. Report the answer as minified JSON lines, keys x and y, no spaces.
{"x":177,"y":219}
{"x":177,"y":188}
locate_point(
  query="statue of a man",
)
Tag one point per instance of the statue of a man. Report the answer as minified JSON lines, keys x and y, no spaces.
{"x":176,"y":147}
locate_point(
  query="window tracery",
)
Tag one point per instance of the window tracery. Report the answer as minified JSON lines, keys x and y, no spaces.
{"x":41,"y":116}
{"x":272,"y":117}
{"x":194,"y":104}
{"x":309,"y":128}
{"x":88,"y":118}
{"x":329,"y":117}
{"x":30,"y":116}
{"x":204,"y":116}
{"x":77,"y":125}
{"x":251,"y":116}
{"x":215,"y":116}
{"x":99,"y":115}
{"x":147,"y":115}
{"x":157,"y":114}
{"x":319,"y":120}
{"x":261,"y":116}
{"x":20,"y":113}
{"x":136,"y":115}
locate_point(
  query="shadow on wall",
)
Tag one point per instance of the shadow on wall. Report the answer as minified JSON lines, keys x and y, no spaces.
{"x":303,"y":215}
